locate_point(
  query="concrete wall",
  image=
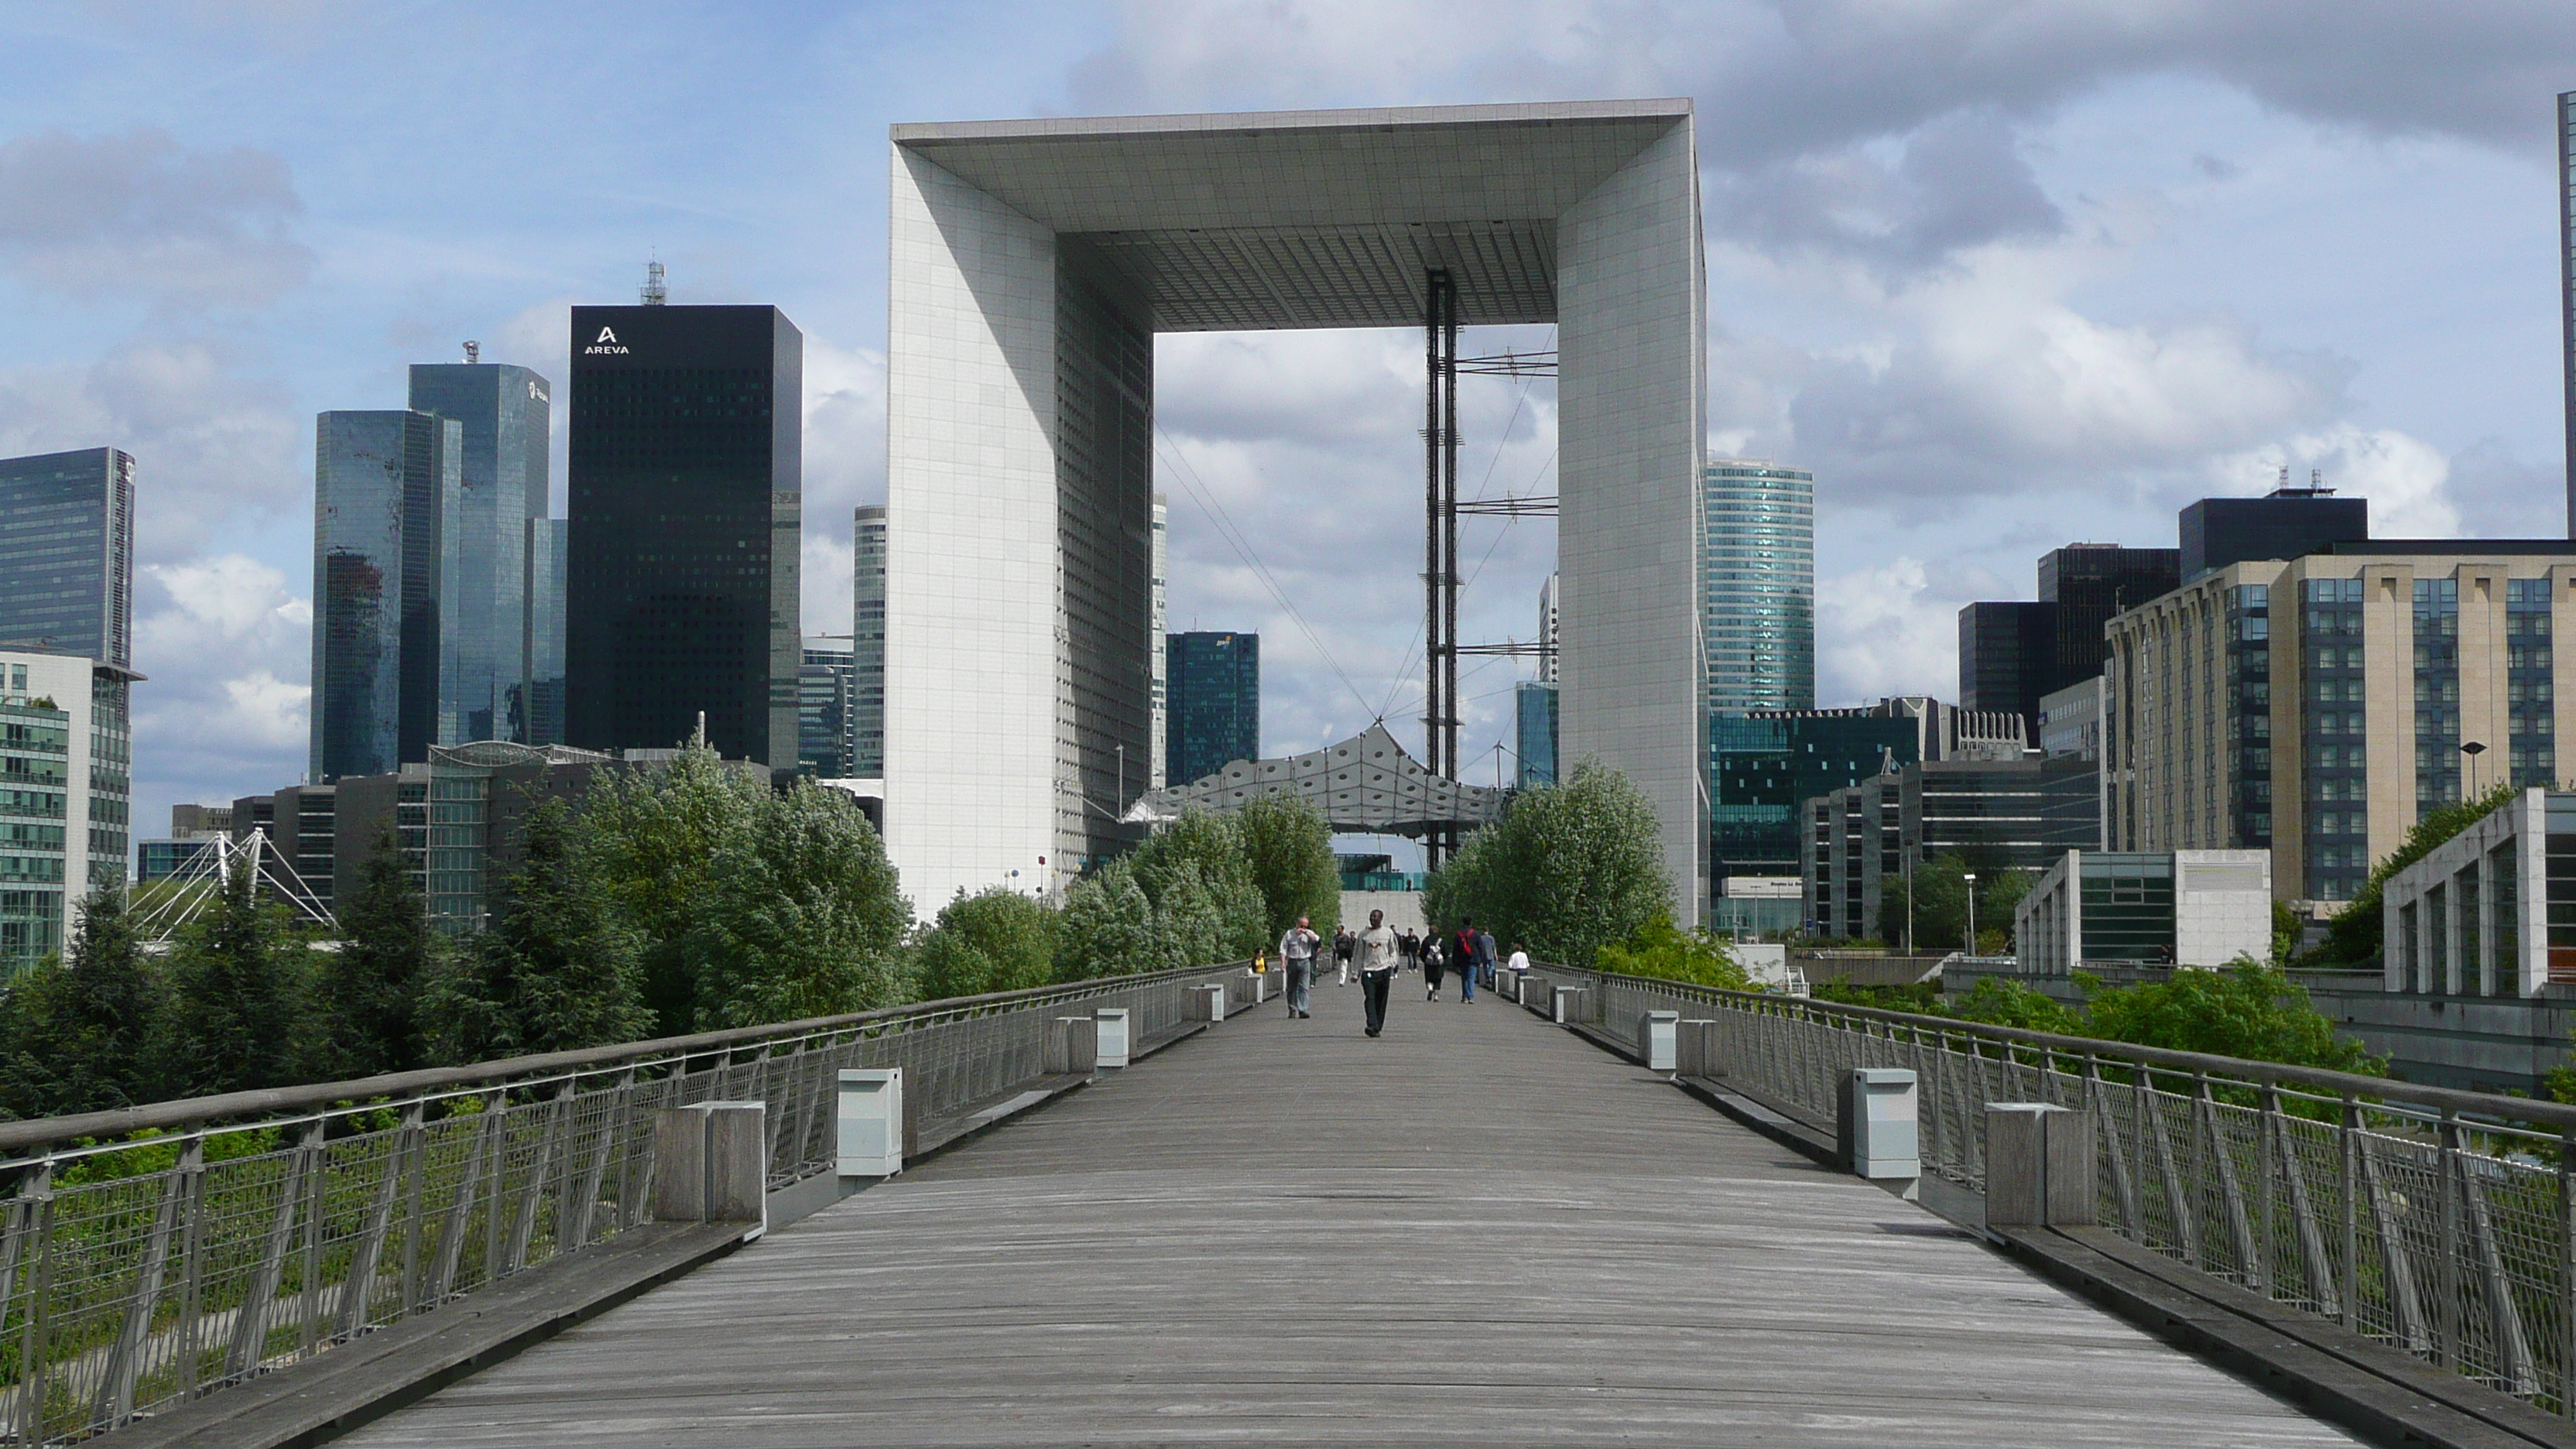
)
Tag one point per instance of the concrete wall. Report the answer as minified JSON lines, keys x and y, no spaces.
{"x":1403,"y":911}
{"x":2488,"y":1044}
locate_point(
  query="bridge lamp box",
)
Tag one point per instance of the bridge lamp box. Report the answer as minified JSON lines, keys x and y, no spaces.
{"x":871,"y":1118}
{"x":1878,"y":1136}
{"x":1115,"y":1027}
{"x":1659,"y":1039}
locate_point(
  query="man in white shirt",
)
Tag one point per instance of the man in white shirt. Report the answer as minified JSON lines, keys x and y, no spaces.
{"x":1297,"y":957}
{"x":1375,"y":955}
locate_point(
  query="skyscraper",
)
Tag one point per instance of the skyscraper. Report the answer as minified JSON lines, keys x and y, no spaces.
{"x":506,"y":424}
{"x":67,"y":554}
{"x":686,"y":471}
{"x":1758,"y":588}
{"x":2013,"y":654}
{"x":65,"y":833}
{"x":1214,"y":704}
{"x":1534,"y":732}
{"x":867,"y":641}
{"x":542,"y":692}
{"x":1161,"y":774}
{"x":824,"y":688}
{"x":2285,"y":523}
{"x":1549,"y":630}
{"x":2567,"y":282}
{"x":382,"y":483}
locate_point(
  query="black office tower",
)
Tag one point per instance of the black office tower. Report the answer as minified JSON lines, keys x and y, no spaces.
{"x":2285,"y":523}
{"x":2090,"y":583}
{"x":2007,"y":656}
{"x":2567,"y":282}
{"x":686,"y":471}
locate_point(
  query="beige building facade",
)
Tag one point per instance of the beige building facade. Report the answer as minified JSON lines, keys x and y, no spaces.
{"x":2317,"y":707}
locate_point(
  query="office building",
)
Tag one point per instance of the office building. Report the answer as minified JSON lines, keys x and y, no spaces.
{"x":1534,"y":732}
{"x":67,"y":554}
{"x":383,"y":482}
{"x":685,"y":485}
{"x":1161,"y":727}
{"x":2319,"y":706}
{"x":66,"y":760}
{"x":2285,"y":523}
{"x":2202,"y":908}
{"x":1215,"y":704}
{"x":2011,"y":654}
{"x":1758,"y":585}
{"x":1996,"y":814}
{"x":1031,"y":266}
{"x":867,"y":642}
{"x":194,"y":829}
{"x":2070,"y":720}
{"x":2567,"y":282}
{"x":825,"y":687}
{"x":1550,"y":630}
{"x":505,"y":424}
{"x":542,"y":693}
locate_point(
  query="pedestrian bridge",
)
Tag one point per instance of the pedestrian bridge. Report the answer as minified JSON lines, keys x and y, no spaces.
{"x":1486,"y":1227}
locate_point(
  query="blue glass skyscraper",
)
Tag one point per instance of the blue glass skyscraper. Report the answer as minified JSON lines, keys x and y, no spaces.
{"x":67,"y":554}
{"x":542,"y":697}
{"x":1214,"y":710}
{"x":501,"y":485}
{"x":1758,"y":586}
{"x":382,"y":483}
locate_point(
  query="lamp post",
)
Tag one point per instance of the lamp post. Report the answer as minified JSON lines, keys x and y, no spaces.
{"x":1970,"y":877}
{"x":2472,"y":749}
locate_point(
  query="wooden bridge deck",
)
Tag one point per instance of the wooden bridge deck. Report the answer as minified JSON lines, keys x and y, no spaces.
{"x":1475,"y":1230}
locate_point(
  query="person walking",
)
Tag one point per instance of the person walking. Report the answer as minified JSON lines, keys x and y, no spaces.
{"x":1297,"y":958}
{"x":1485,"y":957}
{"x":1409,"y":946}
{"x":1519,"y":964}
{"x":1462,"y":948}
{"x":1342,"y":939}
{"x":1375,"y":952}
{"x":1431,"y":969}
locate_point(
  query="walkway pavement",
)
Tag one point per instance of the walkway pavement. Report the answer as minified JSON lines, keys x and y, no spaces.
{"x":1476,"y":1230}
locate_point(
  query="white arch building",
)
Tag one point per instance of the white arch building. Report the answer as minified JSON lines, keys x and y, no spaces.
{"x":1031,"y":264}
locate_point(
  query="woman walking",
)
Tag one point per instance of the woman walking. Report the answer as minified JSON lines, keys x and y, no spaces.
{"x":1432,"y":964}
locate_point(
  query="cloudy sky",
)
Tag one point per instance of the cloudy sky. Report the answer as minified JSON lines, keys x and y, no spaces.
{"x":2003,"y":275}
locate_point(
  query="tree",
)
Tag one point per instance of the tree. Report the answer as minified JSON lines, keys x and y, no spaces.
{"x":1569,"y":868}
{"x":2247,"y":1009}
{"x":806,"y":917}
{"x":1108,"y":928}
{"x":1198,"y":873}
{"x":559,"y":970}
{"x":238,"y":991}
{"x":998,"y":940}
{"x":1663,"y":950}
{"x":81,"y":1029}
{"x":1938,"y":890}
{"x":652,"y":841}
{"x":1290,"y":849}
{"x":368,"y":991}
{"x":2353,"y":936}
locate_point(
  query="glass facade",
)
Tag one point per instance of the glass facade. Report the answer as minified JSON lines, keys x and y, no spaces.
{"x":2531,"y":751}
{"x":1758,"y":586}
{"x":824,"y":685}
{"x":2217,"y":532}
{"x":2437,"y":695}
{"x":2128,"y":907}
{"x":2249,"y":688}
{"x":1215,"y":703}
{"x":1768,"y":765}
{"x":868,"y":651}
{"x":111,"y":776}
{"x":541,"y":699}
{"x":686,"y":470}
{"x":2007,"y":656}
{"x":67,"y":554}
{"x":2333,"y":742}
{"x":504,"y":423}
{"x":382,"y":483}
{"x":1534,"y":732}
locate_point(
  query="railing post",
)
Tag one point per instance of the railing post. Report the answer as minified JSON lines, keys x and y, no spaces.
{"x":36,"y":1197}
{"x":2351,"y":1266}
{"x":2446,"y":1280}
{"x":2567,"y":1273}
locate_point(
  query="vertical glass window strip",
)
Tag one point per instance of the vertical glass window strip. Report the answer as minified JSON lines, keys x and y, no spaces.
{"x":2437,"y":694}
{"x":2504,"y":888}
{"x":2332,"y":745}
{"x":2530,"y":744}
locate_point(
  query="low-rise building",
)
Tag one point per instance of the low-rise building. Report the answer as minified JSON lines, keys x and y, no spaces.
{"x":2490,"y":911}
{"x":2169,"y":908}
{"x":2010,"y":814}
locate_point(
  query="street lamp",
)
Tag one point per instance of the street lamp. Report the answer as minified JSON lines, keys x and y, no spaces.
{"x":2473,"y":749}
{"x":1970,"y":877}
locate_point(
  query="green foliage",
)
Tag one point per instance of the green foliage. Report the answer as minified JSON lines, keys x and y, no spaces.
{"x":1920,"y":997}
{"x":561,"y":970}
{"x":2248,"y":1010}
{"x":806,"y":918}
{"x":2286,"y":926}
{"x":239,"y":987}
{"x":80,"y":1030}
{"x":1998,"y":1002}
{"x":1569,"y":869}
{"x":1939,"y":890}
{"x":1198,"y":873}
{"x":1108,"y":927}
{"x":998,"y":940}
{"x":653,"y":840}
{"x":1665,"y":951}
{"x":368,"y":992}
{"x":2353,"y":936}
{"x":1290,"y":850}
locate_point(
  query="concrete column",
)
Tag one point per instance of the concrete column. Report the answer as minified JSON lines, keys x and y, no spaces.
{"x":1207,"y":1003}
{"x":870,"y":1118}
{"x":1568,"y":1005}
{"x":2040,"y":1165}
{"x":1695,"y":1049}
{"x":1073,"y":1045}
{"x":1112,"y":1023}
{"x":711,"y":1163}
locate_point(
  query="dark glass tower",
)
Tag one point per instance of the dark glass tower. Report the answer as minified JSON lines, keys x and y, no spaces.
{"x":2089,"y":583}
{"x":543,"y":695}
{"x":1214,"y":716}
{"x":686,"y":478}
{"x":382,"y":482}
{"x":501,"y":484}
{"x":2567,"y":281}
{"x":2285,"y":523}
{"x":67,"y":554}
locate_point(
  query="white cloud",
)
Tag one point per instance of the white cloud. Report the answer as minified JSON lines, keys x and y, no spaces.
{"x":1890,"y":629}
{"x":2407,"y":480}
{"x":138,"y":212}
{"x":226,"y":648}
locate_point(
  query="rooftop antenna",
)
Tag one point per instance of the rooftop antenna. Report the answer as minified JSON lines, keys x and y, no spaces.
{"x":655,"y":294}
{"x":473,"y":352}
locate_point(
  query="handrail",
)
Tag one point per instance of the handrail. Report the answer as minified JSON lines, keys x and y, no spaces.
{"x":2326,"y":1083}
{"x":184,"y":1112}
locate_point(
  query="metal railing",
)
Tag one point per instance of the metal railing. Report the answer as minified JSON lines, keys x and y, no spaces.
{"x":2440,"y":1222}
{"x":153,"y":1255}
